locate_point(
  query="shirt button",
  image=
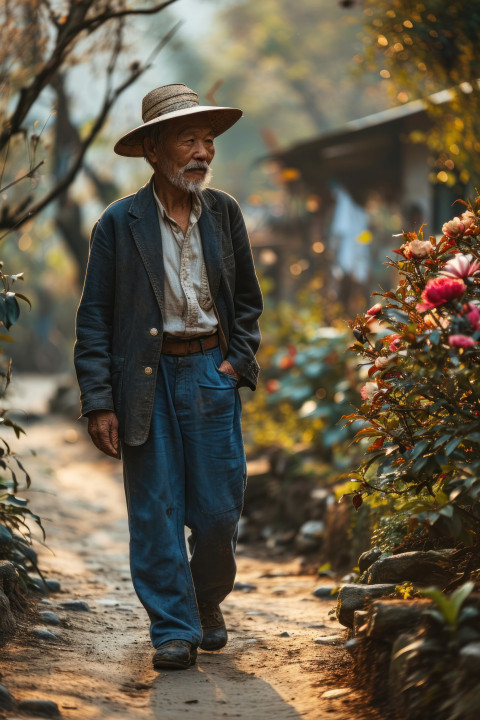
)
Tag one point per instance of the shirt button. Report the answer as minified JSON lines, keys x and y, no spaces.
{"x":148,"y":371}
{"x":153,"y":331}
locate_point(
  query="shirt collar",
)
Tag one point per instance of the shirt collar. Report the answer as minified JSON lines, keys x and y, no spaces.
{"x":196,"y":207}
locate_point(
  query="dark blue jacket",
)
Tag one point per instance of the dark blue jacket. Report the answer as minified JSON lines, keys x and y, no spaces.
{"x":122,"y":302}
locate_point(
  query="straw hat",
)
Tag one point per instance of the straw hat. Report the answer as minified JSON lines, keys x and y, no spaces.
{"x":167,"y":103}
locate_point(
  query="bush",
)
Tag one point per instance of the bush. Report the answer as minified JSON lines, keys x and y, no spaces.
{"x":15,"y":534}
{"x":421,"y":404}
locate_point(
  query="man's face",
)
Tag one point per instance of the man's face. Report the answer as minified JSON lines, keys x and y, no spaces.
{"x":184,"y":154}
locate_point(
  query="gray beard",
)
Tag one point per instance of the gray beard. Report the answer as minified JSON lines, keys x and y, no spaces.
{"x":178,"y":179}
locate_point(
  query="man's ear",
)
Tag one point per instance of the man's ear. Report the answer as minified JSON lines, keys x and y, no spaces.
{"x":150,"y":149}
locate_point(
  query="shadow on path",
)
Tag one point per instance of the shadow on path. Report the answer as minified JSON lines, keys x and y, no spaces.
{"x":217,"y":688}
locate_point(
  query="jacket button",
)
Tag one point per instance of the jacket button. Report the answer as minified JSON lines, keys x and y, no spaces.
{"x":148,"y":371}
{"x":153,"y":331}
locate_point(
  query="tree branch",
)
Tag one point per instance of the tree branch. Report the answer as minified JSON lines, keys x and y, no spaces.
{"x":93,"y":23}
{"x":67,"y":33}
{"x":28,"y":174}
{"x":109,"y":100}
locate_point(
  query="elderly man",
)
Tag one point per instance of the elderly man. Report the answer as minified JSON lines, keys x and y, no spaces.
{"x":167,"y":331}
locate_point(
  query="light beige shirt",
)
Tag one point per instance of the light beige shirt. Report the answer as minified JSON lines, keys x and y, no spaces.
{"x":188,"y":304}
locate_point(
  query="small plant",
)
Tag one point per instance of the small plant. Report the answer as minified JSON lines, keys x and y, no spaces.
{"x":448,"y":610}
{"x":15,"y":533}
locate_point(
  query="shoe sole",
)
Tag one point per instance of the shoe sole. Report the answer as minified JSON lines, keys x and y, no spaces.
{"x":174,"y":665}
{"x":171,"y":665}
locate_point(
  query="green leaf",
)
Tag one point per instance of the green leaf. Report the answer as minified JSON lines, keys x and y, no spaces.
{"x":12,"y":310}
{"x":398,"y":315}
{"x":451,"y":445}
{"x":419,"y":448}
{"x":442,"y":439}
{"x":458,"y":597}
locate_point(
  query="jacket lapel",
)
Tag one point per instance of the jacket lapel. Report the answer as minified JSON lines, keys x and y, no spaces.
{"x":146,"y":233}
{"x":210,"y":225}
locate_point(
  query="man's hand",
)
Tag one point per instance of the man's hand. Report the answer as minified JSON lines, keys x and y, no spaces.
{"x":226,"y":367}
{"x":103,"y":429}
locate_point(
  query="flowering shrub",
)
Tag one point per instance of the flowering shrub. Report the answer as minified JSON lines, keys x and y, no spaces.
{"x":421,"y":404}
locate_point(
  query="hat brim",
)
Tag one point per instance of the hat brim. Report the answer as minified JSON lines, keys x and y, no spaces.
{"x":221,"y":118}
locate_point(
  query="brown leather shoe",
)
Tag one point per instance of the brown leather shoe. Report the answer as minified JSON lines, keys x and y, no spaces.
{"x":175,"y":655}
{"x":213,"y":626}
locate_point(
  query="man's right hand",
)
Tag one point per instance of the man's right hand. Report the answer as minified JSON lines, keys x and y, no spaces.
{"x":103,"y":429}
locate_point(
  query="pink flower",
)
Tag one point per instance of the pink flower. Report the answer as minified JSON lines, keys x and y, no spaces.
{"x":417,"y":249}
{"x":381,"y":362}
{"x":369,"y":390}
{"x":374,"y":310}
{"x":396,"y":341}
{"x":461,"y":341}
{"x":440,"y":290}
{"x":471,"y":311}
{"x":454,"y":228}
{"x":461,"y":266}
{"x":468,"y":219}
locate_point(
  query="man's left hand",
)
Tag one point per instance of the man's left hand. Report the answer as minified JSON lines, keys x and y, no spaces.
{"x":227,"y":368}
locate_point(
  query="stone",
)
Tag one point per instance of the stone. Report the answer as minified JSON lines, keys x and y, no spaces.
{"x":368,"y":558}
{"x":336,"y":692}
{"x":348,"y":578}
{"x":49,"y":617}
{"x":359,"y":620}
{"x":7,"y":701}
{"x":42,"y":708}
{"x":326,"y":592}
{"x":44,"y":634}
{"x":356,"y":597}
{"x":329,"y":640}
{"x":44,"y":586}
{"x":424,"y":566}
{"x":244,"y":587}
{"x":470,"y":657}
{"x":313,"y":529}
{"x":284,"y":634}
{"x":310,"y":536}
{"x":387,"y":618}
{"x":53,"y":585}
{"x":76,"y":605}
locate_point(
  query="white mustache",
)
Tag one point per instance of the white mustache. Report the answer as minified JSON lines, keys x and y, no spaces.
{"x":195,"y":165}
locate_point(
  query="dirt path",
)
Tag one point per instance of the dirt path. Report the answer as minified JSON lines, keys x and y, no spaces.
{"x":100,"y":664}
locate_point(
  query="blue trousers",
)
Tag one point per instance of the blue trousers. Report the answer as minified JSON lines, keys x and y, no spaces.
{"x":191,"y":471}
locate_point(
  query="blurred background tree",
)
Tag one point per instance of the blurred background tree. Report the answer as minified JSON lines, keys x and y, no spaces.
{"x":289,"y":65}
{"x":424,"y":48}
{"x":55,"y":56}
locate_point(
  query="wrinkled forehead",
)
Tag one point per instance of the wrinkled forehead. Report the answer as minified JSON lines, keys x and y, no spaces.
{"x":185,"y":126}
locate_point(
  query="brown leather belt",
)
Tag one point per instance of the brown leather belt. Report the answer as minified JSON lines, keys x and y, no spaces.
{"x":188,"y":347}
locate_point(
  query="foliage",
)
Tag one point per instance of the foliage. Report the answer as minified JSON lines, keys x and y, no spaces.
{"x":421,"y":48}
{"x":15,"y":533}
{"x":449,"y":607}
{"x":421,"y":404}
{"x":307,"y":383}
{"x":435,"y":679}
